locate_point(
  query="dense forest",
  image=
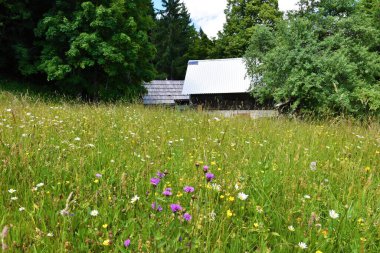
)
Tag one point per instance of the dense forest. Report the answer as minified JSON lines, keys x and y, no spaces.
{"x":323,"y":58}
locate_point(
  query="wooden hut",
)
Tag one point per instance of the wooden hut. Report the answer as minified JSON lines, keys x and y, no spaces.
{"x":167,"y":92}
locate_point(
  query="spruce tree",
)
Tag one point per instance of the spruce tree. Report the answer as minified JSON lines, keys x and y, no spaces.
{"x":173,"y":38}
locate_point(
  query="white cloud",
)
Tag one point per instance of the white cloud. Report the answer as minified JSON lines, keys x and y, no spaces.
{"x":287,"y":5}
{"x":209,"y":14}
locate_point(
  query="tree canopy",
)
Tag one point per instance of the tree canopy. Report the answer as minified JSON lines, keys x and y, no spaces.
{"x":324,"y":59}
{"x":242,"y":18}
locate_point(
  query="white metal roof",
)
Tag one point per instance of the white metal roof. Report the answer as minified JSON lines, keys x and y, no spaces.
{"x":216,"y":76}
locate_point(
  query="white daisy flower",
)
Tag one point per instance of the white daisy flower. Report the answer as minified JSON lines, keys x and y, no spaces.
{"x":333,"y":214}
{"x":14,"y":198}
{"x":40,"y":185}
{"x":302,"y":245}
{"x":242,"y":196}
{"x":11,"y":191}
{"x":21,"y":209}
{"x":313,"y":166}
{"x":134,"y":199}
{"x":94,"y":213}
{"x":291,"y":228}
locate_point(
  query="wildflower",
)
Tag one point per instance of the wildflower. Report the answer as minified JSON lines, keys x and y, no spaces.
{"x":14,"y":198}
{"x":160,"y":174}
{"x":209,"y":176}
{"x":313,"y":166}
{"x":318,"y":251}
{"x":307,"y":196}
{"x":156,"y":207}
{"x":229,"y":213}
{"x":76,"y":139}
{"x":221,"y":196}
{"x":205,"y":168}
{"x":168,"y":192}
{"x":213,"y":163}
{"x":212,"y":215}
{"x":231,"y":199}
{"x":97,"y":175}
{"x":127,"y":243}
{"x":21,"y":209}
{"x":134,"y":199}
{"x":50,"y":234}
{"x":94,"y":213}
{"x":333,"y":214}
{"x":188,"y":189}
{"x":154,"y":181}
{"x":367,"y":169}
{"x":237,"y":186}
{"x":105,"y":226}
{"x":259,"y":209}
{"x":11,"y":191}
{"x":175,"y":208}
{"x":40,"y":185}
{"x":291,"y":228}
{"x":302,"y":245}
{"x":96,"y":181}
{"x":187,"y":217}
{"x":106,"y":242}
{"x":363,"y":239}
{"x":242,"y":196}
{"x":216,"y":187}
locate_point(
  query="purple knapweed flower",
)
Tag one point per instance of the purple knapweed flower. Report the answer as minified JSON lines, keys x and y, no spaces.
{"x":127,"y":243}
{"x":209,"y":177}
{"x":175,"y":208}
{"x":187,"y":217}
{"x":167,"y":192}
{"x":188,"y":189}
{"x":205,"y":168}
{"x":154,"y":181}
{"x":160,"y":174}
{"x":97,"y":175}
{"x":156,"y":207}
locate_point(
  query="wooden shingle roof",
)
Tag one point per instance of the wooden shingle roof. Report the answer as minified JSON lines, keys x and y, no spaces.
{"x":164,"y":92}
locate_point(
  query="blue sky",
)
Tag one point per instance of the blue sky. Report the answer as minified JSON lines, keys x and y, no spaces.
{"x":209,"y":14}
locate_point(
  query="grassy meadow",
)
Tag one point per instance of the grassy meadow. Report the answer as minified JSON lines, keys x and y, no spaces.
{"x":84,"y":178}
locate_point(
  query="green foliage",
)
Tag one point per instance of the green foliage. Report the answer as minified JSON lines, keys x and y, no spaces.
{"x":242,"y":18}
{"x":323,"y":60}
{"x":18,"y":51}
{"x":173,"y":37}
{"x":97,"y":48}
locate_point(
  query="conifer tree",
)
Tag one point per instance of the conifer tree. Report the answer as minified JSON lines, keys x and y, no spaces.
{"x":173,"y":38}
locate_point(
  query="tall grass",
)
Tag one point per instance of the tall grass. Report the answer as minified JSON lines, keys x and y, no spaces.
{"x":66,"y":160}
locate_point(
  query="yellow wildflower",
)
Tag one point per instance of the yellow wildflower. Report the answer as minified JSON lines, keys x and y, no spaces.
{"x":219,"y":169}
{"x":318,"y":251}
{"x":106,"y":242}
{"x":367,"y":169}
{"x":231,"y":199}
{"x":229,"y":213}
{"x":179,"y":194}
{"x":213,"y":163}
{"x":363,"y":239}
{"x":105,"y":225}
{"x":222,"y":196}
{"x":96,"y":181}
